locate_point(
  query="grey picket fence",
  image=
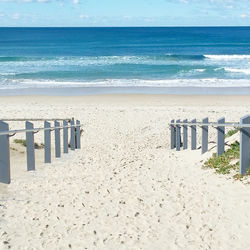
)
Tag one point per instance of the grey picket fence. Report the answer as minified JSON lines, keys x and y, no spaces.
{"x":30,"y":131}
{"x":243,"y":126}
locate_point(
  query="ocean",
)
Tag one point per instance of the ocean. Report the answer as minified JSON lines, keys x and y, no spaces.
{"x":124,"y":57}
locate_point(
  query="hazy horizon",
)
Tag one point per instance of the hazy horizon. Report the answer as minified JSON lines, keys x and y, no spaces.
{"x":119,"y":13}
{"x":197,"y":26}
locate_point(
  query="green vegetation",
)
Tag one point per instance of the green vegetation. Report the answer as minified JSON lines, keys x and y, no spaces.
{"x":37,"y":146}
{"x":20,"y":141}
{"x":231,"y":132}
{"x":239,"y":176}
{"x":23,"y":143}
{"x":222,"y":164}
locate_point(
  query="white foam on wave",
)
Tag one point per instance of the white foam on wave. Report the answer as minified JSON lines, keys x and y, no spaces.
{"x":90,"y":60}
{"x":228,"y":57}
{"x":7,"y":74}
{"x":82,"y":62}
{"x":210,"y":82}
{"x":199,"y":70}
{"x":234,"y":70}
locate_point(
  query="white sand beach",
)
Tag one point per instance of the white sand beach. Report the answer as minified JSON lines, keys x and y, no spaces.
{"x":125,"y":188}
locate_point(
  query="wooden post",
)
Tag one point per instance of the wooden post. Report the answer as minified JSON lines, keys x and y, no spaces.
{"x":185,"y":135}
{"x":78,"y":136}
{"x":193,"y":135}
{"x":30,"y":147}
{"x":204,"y":142}
{"x":172,"y":135}
{"x":244,"y":145}
{"x":4,"y":154}
{"x":73,"y":138}
{"x":65,"y":137}
{"x":220,"y":137}
{"x":47,"y":143}
{"x":57,"y":140}
{"x":178,"y":136}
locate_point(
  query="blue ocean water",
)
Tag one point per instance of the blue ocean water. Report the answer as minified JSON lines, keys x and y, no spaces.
{"x":68,"y":57}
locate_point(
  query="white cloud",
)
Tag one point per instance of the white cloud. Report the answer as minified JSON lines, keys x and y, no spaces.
{"x":243,"y":15}
{"x":83,"y":16}
{"x":25,"y":1}
{"x":228,"y":2}
{"x":127,"y":17}
{"x":41,"y":1}
{"x":15,"y":16}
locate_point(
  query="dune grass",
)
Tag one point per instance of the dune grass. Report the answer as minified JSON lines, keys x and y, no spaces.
{"x":231,"y":132}
{"x":223,"y":163}
{"x":23,"y":143}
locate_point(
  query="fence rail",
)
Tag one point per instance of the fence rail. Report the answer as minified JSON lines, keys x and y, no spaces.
{"x":243,"y":126}
{"x":30,"y":131}
{"x":213,"y":124}
{"x":33,"y":119}
{"x":11,"y":132}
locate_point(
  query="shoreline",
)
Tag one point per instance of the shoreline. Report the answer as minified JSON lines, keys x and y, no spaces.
{"x":129,"y":100}
{"x":84,"y":91}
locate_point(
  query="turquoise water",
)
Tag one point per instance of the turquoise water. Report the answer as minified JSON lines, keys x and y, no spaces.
{"x":155,"y":57}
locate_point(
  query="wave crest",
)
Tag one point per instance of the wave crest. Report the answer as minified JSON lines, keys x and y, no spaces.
{"x":243,"y":71}
{"x":210,"y":82}
{"x":228,"y":57}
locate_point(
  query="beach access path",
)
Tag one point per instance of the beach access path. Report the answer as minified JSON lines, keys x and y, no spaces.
{"x":125,"y":188}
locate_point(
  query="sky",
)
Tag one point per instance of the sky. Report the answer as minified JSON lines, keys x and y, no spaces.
{"x":88,"y":13}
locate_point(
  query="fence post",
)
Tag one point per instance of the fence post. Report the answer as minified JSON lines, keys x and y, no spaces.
{"x":57,"y":140}
{"x":178,"y":136}
{"x":72,"y":139}
{"x":185,"y":135}
{"x":193,"y":135}
{"x":47,"y":143}
{"x":30,"y":147}
{"x":4,"y":154}
{"x":172,"y":135}
{"x":244,"y":145}
{"x":204,"y":143}
{"x":65,"y":137}
{"x":220,"y":137}
{"x":78,"y":136}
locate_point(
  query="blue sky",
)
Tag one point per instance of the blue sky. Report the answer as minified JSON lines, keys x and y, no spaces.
{"x":124,"y":12}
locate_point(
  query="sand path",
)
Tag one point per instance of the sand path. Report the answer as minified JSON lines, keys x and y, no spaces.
{"x":125,"y":189}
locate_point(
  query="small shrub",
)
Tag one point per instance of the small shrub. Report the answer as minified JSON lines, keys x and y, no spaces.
{"x":239,"y":176}
{"x":37,"y":146}
{"x":20,"y":141}
{"x":14,"y":149}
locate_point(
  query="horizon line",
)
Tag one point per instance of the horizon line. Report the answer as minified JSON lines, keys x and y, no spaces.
{"x":198,"y":26}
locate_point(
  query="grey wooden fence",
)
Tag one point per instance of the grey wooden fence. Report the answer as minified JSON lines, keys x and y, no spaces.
{"x":243,"y":126}
{"x":30,"y":131}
